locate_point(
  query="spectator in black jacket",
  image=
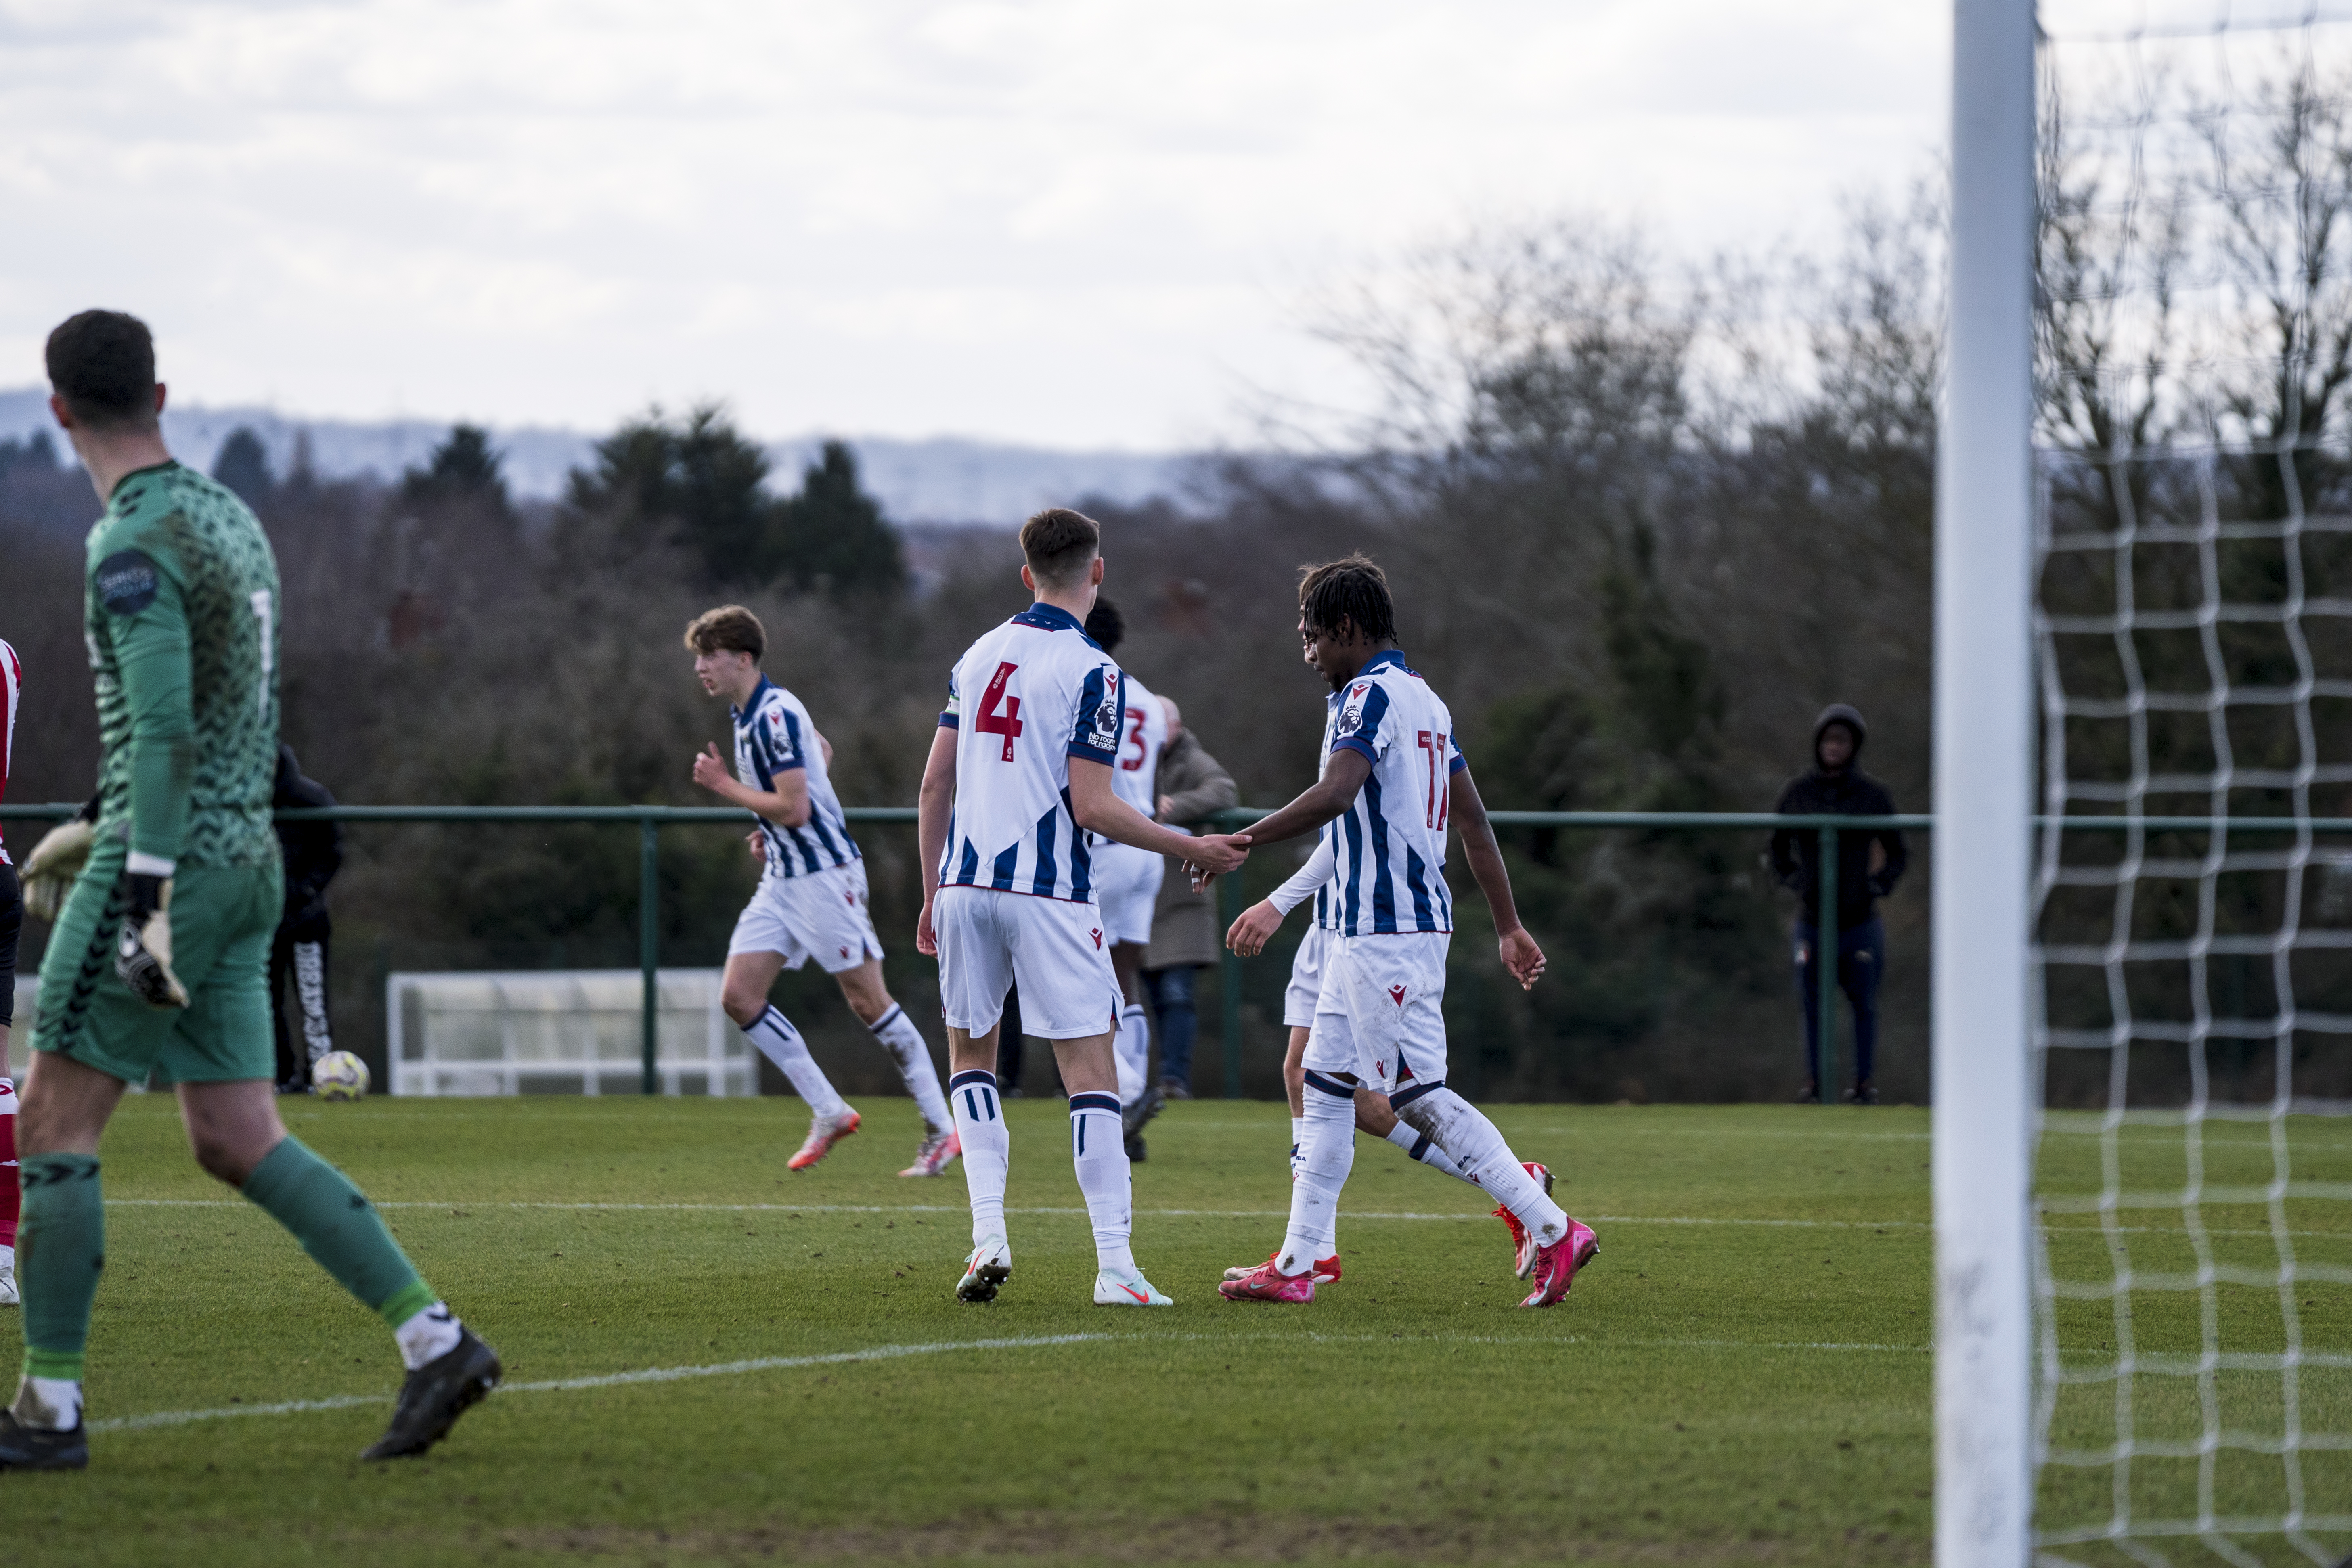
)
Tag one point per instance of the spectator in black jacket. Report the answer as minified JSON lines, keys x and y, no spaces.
{"x":313,"y":852}
{"x":1869,"y":863}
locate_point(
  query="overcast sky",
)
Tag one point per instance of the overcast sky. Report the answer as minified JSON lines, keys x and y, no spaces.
{"x":1073,"y":223}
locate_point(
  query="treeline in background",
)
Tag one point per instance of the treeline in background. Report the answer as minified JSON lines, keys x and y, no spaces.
{"x":1643,"y":520}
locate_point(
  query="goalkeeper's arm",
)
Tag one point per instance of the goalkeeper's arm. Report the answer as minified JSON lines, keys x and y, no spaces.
{"x":152,"y":659}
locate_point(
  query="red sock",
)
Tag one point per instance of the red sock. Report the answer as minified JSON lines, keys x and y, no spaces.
{"x":10,"y":1192}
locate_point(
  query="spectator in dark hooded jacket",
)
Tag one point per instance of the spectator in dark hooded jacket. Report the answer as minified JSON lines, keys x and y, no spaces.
{"x":313,"y":853}
{"x":1869,"y":865}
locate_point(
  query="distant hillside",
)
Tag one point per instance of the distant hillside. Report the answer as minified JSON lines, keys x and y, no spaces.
{"x":941,"y":480}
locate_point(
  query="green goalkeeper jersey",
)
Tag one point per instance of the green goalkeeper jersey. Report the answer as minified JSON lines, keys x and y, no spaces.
{"x":181,"y":611}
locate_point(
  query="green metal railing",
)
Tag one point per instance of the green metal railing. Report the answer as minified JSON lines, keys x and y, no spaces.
{"x":1230,"y":905}
{"x":651,"y":819}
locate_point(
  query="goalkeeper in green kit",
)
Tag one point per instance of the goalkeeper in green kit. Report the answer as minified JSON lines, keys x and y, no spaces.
{"x":159,"y":965}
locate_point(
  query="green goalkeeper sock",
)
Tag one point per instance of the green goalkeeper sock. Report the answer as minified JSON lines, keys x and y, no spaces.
{"x":60,"y":1248}
{"x":338,"y":1227}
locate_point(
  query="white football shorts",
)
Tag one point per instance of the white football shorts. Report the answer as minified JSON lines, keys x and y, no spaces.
{"x":1127,"y":888}
{"x":1057,"y":952}
{"x":817,"y":914}
{"x":1305,"y":980}
{"x":1381,"y":1014}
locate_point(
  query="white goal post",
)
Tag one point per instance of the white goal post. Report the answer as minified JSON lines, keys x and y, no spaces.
{"x":1984,"y":725}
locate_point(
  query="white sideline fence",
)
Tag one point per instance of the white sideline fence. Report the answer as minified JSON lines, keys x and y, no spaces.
{"x":533,"y":1032}
{"x":559,"y":1032}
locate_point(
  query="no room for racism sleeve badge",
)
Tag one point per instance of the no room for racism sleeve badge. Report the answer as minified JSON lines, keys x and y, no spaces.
{"x":127,"y":582}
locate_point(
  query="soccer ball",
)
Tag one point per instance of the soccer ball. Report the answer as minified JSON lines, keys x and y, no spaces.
{"x":340,"y":1075}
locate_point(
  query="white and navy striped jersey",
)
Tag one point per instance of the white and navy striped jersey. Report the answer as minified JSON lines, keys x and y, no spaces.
{"x":1024,"y":701}
{"x":773,"y":735}
{"x":1389,"y":847}
{"x":12,"y":683}
{"x":1142,"y":736}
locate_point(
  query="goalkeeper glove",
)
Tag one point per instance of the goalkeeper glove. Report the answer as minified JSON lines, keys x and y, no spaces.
{"x":49,"y":870}
{"x":143,"y":953}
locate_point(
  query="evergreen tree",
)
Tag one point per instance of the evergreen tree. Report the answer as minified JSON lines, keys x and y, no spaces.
{"x":243,"y":465}
{"x":464,"y":466}
{"x":695,"y":480}
{"x":35,"y":452}
{"x":832,"y":534}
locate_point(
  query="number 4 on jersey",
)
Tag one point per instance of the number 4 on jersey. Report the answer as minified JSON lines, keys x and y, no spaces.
{"x":1004,"y":721}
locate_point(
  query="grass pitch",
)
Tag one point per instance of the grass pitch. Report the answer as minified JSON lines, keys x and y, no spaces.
{"x":712,"y":1360}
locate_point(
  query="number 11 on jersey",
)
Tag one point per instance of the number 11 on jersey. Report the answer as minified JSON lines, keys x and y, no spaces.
{"x":1440,"y":778}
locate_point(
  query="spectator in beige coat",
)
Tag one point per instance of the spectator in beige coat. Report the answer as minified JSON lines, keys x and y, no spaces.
{"x":1193,"y":786}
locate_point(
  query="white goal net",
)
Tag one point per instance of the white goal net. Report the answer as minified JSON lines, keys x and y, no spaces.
{"x":2192,"y":1183}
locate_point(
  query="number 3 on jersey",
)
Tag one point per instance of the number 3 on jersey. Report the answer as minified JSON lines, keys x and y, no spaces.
{"x":1004,"y":720}
{"x":1135,"y":736}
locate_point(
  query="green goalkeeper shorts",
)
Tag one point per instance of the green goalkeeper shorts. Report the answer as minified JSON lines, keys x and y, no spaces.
{"x":223,"y":918}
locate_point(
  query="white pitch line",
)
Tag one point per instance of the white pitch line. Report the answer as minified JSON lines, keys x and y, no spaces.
{"x":607,"y":1380}
{"x":1876,"y":1225}
{"x":894,"y":1352}
{"x":959,"y":1208}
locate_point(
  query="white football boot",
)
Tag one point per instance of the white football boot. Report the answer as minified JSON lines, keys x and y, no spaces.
{"x":1127,"y":1290}
{"x":989,"y":1267}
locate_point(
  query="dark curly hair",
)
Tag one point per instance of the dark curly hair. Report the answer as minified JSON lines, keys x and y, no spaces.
{"x":1351,"y":591}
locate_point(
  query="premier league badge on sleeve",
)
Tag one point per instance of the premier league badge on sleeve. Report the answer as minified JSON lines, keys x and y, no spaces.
{"x":1106,"y":715}
{"x":1352,"y":718}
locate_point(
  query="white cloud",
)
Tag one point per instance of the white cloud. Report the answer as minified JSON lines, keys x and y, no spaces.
{"x":1068,"y":221}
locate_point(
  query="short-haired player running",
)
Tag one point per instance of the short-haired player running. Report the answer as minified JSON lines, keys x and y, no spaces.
{"x":1127,"y":880}
{"x":1020,"y":774}
{"x":811,"y":901}
{"x":1392,"y":780}
{"x":182,"y":614}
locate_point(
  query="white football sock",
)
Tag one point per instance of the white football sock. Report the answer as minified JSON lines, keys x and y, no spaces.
{"x":1099,"y":1151}
{"x":1132,"y":1046}
{"x":50,"y":1404}
{"x":427,"y":1336}
{"x":987,"y":1148}
{"x":905,"y":1043}
{"x":1327,"y":1152}
{"x":1421,"y":1146}
{"x":781,"y":1044}
{"x":1477,"y":1145}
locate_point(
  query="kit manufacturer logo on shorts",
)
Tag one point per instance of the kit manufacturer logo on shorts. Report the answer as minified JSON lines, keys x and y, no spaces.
{"x":1396,"y":995}
{"x":127,"y":582}
{"x":1097,"y":934}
